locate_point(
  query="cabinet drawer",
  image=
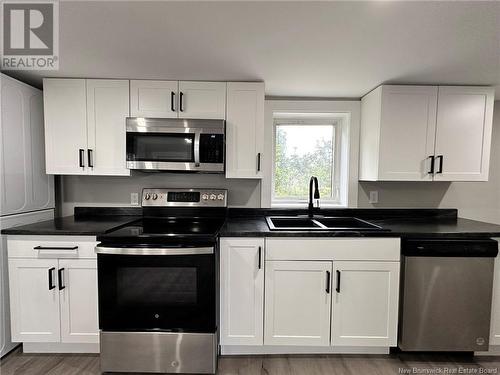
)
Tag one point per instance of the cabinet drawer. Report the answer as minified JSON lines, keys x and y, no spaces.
{"x":51,"y":246}
{"x":366,"y":249}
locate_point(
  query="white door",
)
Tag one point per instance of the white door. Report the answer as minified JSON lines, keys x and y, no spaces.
{"x":205,"y":100}
{"x":408,"y":123}
{"x":463,"y":133}
{"x":65,"y":112}
{"x":242,"y":291}
{"x":79,"y":313}
{"x":495,"y":312}
{"x":244,"y":129}
{"x":298,"y":301}
{"x":365,"y":303}
{"x":34,"y":300}
{"x":107,"y":111}
{"x":153,"y":98}
{"x":14,"y":155}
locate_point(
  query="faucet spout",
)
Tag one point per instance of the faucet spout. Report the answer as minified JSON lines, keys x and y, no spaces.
{"x":313,"y":183}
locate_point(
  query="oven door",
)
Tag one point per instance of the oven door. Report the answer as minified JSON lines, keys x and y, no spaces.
{"x":160,"y":289}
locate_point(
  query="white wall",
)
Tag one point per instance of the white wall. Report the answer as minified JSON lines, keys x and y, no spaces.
{"x":474,"y":200}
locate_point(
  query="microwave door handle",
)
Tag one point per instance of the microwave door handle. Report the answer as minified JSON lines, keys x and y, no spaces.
{"x":197,"y":149}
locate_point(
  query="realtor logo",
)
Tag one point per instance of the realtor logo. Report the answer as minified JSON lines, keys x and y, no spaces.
{"x":30,"y":35}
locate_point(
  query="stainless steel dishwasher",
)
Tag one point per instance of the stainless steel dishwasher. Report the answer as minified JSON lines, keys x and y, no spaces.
{"x":446,"y":294}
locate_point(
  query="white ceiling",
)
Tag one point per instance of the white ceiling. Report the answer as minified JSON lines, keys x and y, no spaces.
{"x":306,"y":49}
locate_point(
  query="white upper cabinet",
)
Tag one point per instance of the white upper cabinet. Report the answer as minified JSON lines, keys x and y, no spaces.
{"x":244,"y":129}
{"x":242,"y":291}
{"x":298,"y":301}
{"x":65,"y":111}
{"x":463,"y":136}
{"x":25,"y":185}
{"x":153,"y":98}
{"x":365,"y":303}
{"x":107,"y":109}
{"x":85,"y":126}
{"x":426,"y":133}
{"x":205,"y":100}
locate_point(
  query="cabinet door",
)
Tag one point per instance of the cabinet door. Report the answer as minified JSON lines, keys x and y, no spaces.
{"x":205,"y":100}
{"x":107,"y":110}
{"x":463,"y":133}
{"x":65,"y":113}
{"x":15,"y":156}
{"x":298,"y":301}
{"x":34,"y":300}
{"x":244,"y":129}
{"x":495,"y":313}
{"x":79,"y":313}
{"x":365,"y":303}
{"x":153,"y":98}
{"x":242,"y":291}
{"x":408,"y":123}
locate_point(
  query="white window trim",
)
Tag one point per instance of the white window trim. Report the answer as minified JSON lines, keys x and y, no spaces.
{"x":351,"y":141}
{"x":338,"y":121}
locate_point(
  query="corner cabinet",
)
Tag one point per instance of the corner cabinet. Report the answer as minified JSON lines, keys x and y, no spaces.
{"x":245,"y":129}
{"x":53,"y":289}
{"x":85,"y":126}
{"x":178,"y":99}
{"x":242,"y":291}
{"x":426,"y":133}
{"x":25,"y":185}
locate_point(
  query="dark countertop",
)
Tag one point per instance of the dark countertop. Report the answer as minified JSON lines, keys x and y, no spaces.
{"x":396,"y":227}
{"x":73,"y":226}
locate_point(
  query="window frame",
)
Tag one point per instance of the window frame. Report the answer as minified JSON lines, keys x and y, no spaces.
{"x":338,"y":121}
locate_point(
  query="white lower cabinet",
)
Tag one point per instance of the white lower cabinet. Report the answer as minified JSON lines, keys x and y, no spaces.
{"x":78,"y":299}
{"x":34,"y":300}
{"x":298,"y":303}
{"x":53,"y":293}
{"x":242,"y":291}
{"x":365,"y":303}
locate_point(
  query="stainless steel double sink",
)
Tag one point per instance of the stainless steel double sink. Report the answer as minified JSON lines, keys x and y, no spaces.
{"x":290,"y":223}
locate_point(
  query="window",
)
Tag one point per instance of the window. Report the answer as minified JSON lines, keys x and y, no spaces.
{"x":305,"y":146}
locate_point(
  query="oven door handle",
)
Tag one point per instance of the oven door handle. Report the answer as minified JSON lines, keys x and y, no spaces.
{"x":154,"y":250}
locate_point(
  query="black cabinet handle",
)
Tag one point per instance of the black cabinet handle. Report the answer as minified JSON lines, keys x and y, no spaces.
{"x":81,"y":157}
{"x":51,"y":278}
{"x":60,"y":278}
{"x":172,"y":101}
{"x":54,"y":248}
{"x":440,"y":157}
{"x":338,"y":282}
{"x":258,"y":162}
{"x":328,"y":281}
{"x":432,"y":164}
{"x":260,"y":257}
{"x":91,"y":159}
{"x":181,"y":108}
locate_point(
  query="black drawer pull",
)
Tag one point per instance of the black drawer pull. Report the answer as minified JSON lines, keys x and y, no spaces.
{"x":260,"y":257}
{"x":440,"y":157}
{"x":432,"y":164}
{"x":328,"y":281}
{"x":60,"y":278}
{"x":81,"y":157}
{"x":258,"y":162}
{"x":54,"y":248}
{"x":338,"y":282}
{"x":51,"y":278}
{"x":90,"y":158}
{"x":181,"y":107}
{"x":172,"y":101}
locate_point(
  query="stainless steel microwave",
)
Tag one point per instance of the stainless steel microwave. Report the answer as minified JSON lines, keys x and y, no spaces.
{"x":192,"y":145}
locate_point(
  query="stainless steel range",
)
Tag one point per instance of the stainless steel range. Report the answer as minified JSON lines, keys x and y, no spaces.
{"x":157,"y":285}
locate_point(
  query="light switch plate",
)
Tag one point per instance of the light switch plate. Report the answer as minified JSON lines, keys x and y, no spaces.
{"x":373,"y":197}
{"x":134,"y":199}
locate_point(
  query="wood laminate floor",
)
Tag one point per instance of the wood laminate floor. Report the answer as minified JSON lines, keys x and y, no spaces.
{"x":88,"y":364}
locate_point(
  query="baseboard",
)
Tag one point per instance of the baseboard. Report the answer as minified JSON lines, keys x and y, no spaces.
{"x":57,"y":347}
{"x":269,"y":349}
{"x":493,"y":350}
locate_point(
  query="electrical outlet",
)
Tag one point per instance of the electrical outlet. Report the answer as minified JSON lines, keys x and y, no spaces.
{"x":373,"y":197}
{"x":134,"y":199}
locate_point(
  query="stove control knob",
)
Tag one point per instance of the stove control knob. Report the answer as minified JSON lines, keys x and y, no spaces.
{"x":220,"y":197}
{"x":155,"y":196}
{"x":204,"y":197}
{"x":212,"y":197}
{"x":147,"y":196}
